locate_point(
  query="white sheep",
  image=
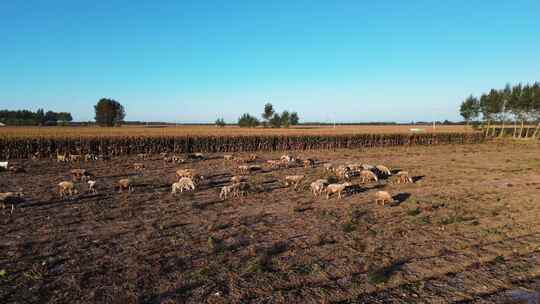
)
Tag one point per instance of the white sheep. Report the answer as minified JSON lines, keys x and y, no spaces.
{"x":294,"y":180}
{"x":185,"y":183}
{"x":336,"y":188}
{"x":403,"y":177}
{"x":383,"y":197}
{"x":4,"y":165}
{"x":125,"y":183}
{"x":92,"y":186}
{"x":318,"y":186}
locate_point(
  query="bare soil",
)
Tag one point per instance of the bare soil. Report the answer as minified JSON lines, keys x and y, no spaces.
{"x":466,"y":231}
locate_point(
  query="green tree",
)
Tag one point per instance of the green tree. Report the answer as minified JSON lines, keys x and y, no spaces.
{"x":275,"y":121}
{"x":470,"y":108}
{"x":220,"y":122}
{"x":109,"y":112}
{"x":294,"y":119}
{"x":268,"y":113}
{"x":248,"y":121}
{"x":285,"y":119}
{"x":40,"y":116}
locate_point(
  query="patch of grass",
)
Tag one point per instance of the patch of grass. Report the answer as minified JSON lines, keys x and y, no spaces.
{"x":348,"y":227}
{"x":424,"y":220}
{"x":382,"y":275}
{"x":498,"y":259}
{"x":414,"y":212}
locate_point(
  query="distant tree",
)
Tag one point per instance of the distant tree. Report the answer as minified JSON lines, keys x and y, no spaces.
{"x":40,"y":116}
{"x":470,"y":109}
{"x":285,"y":119}
{"x":109,"y":112}
{"x":220,"y":122}
{"x":275,"y":121}
{"x":268,"y":113}
{"x":294,"y":119}
{"x":248,"y":121}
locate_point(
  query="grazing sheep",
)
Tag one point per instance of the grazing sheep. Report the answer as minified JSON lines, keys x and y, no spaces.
{"x":3,"y":165}
{"x":274,"y":164}
{"x":383,"y":197}
{"x":66,"y":188}
{"x":189,"y":173}
{"x":178,"y":159}
{"x":286,"y":158}
{"x":78,"y":174}
{"x":138,"y":166}
{"x":328,"y":167}
{"x":367,"y":167}
{"x":383,"y":170}
{"x":343,"y":172}
{"x":308,"y":163}
{"x":355,"y":167}
{"x":75,"y":157}
{"x":252,"y":157}
{"x":228,"y":157}
{"x":61,"y":158}
{"x":243,"y":168}
{"x":403,"y":177}
{"x":237,"y":179}
{"x":143,"y":156}
{"x":185,"y":183}
{"x":163,"y":154}
{"x":92,"y":186}
{"x":16,"y":169}
{"x":318,"y":186}
{"x":10,"y":198}
{"x":125,"y":183}
{"x":197,"y":155}
{"x":367,"y":176}
{"x":294,"y":180}
{"x":226,"y":190}
{"x":336,"y":188}
{"x":241,"y":190}
{"x":89,"y":157}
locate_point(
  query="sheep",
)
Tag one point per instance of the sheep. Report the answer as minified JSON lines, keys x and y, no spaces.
{"x":237,"y":179}
{"x":11,"y":198}
{"x":89,"y":157}
{"x":241,"y":189}
{"x":125,"y":183}
{"x":138,"y":166}
{"x":92,"y":186}
{"x":4,"y":165}
{"x":336,"y":188}
{"x":190,"y":173}
{"x":308,"y":163}
{"x":274,"y":164}
{"x":328,"y":167}
{"x":67,"y":188}
{"x":163,"y":154}
{"x":367,"y":167}
{"x":185,"y":183}
{"x":74,"y":157}
{"x":286,"y":158}
{"x":318,"y":186}
{"x":226,"y":190}
{"x":403,"y":177}
{"x":294,"y":180}
{"x":197,"y":155}
{"x":61,"y":158}
{"x":355,"y":167}
{"x":383,"y":197}
{"x":178,"y":159}
{"x":228,"y":157}
{"x":252,"y":157}
{"x":16,"y":169}
{"x":367,"y":176}
{"x":383,"y":170}
{"x":78,"y":174}
{"x":243,"y":168}
{"x":343,"y":172}
{"x":143,"y":156}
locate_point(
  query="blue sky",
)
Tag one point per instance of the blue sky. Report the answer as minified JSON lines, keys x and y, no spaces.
{"x":194,"y":61}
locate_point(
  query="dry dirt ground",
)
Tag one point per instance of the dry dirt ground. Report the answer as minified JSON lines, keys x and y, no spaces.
{"x":466,"y":231}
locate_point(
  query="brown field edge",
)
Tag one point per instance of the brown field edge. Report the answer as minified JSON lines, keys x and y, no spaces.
{"x":20,"y":148}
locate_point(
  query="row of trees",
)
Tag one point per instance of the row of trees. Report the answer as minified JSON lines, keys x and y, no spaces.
{"x":519,"y":103}
{"x":29,"y":118}
{"x":270,"y":117}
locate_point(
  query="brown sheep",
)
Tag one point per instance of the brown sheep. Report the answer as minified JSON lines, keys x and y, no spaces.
{"x":125,"y":183}
{"x":237,"y":179}
{"x":66,"y":188}
{"x":367,"y":176}
{"x":185,"y":183}
{"x":403,"y":177}
{"x":138,"y":166}
{"x":383,"y":197}
{"x":294,"y":180}
{"x":308,"y":163}
{"x":318,"y":186}
{"x":383,"y":170}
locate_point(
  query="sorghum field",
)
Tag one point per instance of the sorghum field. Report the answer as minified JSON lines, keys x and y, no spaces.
{"x":466,"y":231}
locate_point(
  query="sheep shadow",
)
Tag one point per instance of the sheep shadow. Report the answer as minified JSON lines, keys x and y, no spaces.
{"x":400,"y":198}
{"x":417,"y":178}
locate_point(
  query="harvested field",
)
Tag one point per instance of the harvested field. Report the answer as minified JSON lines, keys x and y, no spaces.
{"x":467,"y":230}
{"x":213,"y":131}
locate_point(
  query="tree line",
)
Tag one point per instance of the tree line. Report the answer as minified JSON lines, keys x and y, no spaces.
{"x":270,"y":118}
{"x":517,"y":104}
{"x":30,"y":118}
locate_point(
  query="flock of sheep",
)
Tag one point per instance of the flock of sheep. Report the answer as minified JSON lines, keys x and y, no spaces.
{"x":188,"y":179}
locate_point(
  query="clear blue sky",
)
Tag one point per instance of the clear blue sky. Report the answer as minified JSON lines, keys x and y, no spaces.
{"x":194,"y":61}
